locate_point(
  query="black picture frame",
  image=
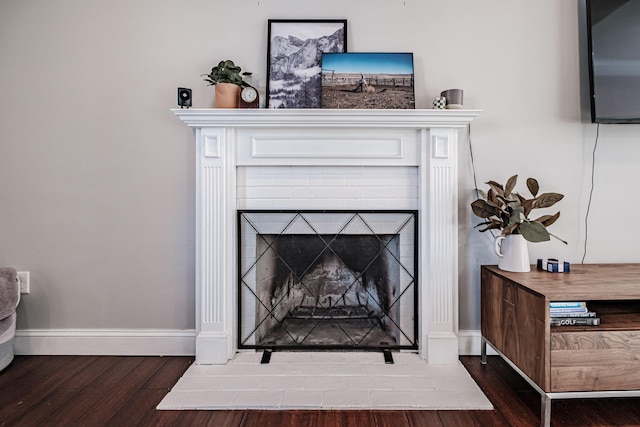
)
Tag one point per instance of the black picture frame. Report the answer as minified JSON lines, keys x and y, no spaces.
{"x":294,"y":57}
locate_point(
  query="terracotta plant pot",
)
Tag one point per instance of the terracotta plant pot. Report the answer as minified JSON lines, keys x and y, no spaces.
{"x":227,"y":95}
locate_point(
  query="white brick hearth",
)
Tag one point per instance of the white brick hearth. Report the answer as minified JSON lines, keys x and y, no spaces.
{"x":326,"y":160}
{"x":303,"y":381}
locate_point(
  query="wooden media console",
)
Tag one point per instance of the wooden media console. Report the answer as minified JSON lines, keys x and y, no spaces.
{"x":563,"y":362}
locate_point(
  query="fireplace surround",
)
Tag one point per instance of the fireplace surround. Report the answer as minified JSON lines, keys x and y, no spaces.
{"x":326,"y":159}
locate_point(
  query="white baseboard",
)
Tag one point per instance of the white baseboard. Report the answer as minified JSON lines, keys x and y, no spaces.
{"x":469,"y":343}
{"x":103,"y":342}
{"x":147,"y":342}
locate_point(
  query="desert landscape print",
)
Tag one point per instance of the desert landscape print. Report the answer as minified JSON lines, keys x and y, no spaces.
{"x":368,"y":80}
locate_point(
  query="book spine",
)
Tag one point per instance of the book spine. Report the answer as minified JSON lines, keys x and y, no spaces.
{"x":573,"y":314}
{"x":568,"y":310}
{"x":575,"y":321}
{"x":567,"y":304}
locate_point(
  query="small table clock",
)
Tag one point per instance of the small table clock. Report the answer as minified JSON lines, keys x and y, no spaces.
{"x":249,"y":97}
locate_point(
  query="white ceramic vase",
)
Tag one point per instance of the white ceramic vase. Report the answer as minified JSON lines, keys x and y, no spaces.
{"x":513,"y":252}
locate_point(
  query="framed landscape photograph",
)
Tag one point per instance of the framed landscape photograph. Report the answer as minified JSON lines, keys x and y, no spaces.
{"x":368,"y":80}
{"x":294,"y":55}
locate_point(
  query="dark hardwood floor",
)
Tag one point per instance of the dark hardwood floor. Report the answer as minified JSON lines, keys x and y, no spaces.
{"x":124,"y":391}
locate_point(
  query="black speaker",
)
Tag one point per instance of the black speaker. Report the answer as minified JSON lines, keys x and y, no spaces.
{"x":184,"y":97}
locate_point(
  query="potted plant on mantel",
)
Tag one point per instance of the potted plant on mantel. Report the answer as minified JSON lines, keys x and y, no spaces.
{"x":227,"y":79}
{"x":507,"y":211}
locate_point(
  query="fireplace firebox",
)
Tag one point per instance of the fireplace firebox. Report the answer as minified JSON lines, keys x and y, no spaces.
{"x":327,"y":280}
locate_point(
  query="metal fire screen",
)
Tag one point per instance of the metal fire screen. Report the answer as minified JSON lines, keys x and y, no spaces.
{"x":327,"y":280}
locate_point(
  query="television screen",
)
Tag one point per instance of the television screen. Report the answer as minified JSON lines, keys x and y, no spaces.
{"x":614,"y":66}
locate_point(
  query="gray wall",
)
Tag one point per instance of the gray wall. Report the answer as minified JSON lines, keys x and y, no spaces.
{"x":97,"y":175}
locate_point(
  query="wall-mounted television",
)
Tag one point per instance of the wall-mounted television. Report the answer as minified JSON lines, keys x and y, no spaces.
{"x":613,"y":28}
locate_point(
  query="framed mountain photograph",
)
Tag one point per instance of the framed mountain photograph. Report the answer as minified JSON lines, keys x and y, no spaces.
{"x":368,"y":80}
{"x":294,"y":55}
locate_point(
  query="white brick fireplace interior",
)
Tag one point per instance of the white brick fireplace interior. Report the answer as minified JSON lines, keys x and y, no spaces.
{"x":326,"y":160}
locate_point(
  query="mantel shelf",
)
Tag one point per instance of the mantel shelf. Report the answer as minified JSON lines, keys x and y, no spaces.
{"x":419,"y":118}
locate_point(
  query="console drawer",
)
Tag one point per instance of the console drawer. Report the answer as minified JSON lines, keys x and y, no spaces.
{"x":595,"y":361}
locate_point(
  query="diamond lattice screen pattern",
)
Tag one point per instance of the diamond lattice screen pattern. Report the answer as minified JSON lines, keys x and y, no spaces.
{"x":329,"y":280}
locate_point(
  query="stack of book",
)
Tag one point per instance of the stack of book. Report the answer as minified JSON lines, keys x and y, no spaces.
{"x":572,"y":313}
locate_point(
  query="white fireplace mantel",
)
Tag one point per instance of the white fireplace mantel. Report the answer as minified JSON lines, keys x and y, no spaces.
{"x":229,"y":139}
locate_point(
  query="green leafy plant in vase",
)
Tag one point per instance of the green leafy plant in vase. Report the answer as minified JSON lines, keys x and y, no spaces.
{"x":227,"y":78}
{"x":508,"y":211}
